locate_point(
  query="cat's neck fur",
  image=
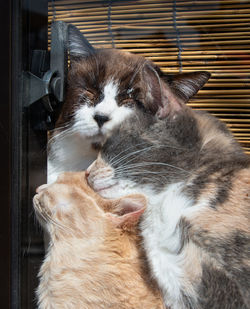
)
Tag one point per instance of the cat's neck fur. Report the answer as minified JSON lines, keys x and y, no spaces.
{"x":74,"y":265}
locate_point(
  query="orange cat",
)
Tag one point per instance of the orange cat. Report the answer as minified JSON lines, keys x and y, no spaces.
{"x":93,"y":259}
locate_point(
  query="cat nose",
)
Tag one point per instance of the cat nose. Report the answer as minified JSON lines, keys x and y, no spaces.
{"x":100,"y":119}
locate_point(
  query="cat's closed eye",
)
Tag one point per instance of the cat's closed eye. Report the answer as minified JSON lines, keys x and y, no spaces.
{"x":86,"y":96}
{"x":128,"y":102}
{"x":132,"y":99}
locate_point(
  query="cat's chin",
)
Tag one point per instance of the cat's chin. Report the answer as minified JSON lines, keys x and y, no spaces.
{"x":109,"y":192}
{"x":93,"y":136}
{"x":115,"y":191}
{"x":97,"y":139}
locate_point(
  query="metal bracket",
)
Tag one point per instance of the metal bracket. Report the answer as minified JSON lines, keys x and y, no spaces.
{"x":49,"y":85}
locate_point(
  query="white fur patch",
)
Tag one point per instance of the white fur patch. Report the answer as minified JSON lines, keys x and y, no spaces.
{"x":84,"y":121}
{"x":71,"y":150}
{"x":162,"y":240}
{"x":161,"y":234}
{"x":108,"y":104}
{"x":109,"y":107}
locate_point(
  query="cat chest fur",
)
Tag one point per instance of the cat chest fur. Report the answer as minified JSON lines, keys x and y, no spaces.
{"x":162,"y":241}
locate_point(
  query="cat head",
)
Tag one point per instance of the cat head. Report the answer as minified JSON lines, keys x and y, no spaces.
{"x":69,"y":207}
{"x":106,"y":85}
{"x":147,"y":154}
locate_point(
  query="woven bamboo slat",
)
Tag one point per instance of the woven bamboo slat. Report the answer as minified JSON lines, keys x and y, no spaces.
{"x":225,"y":106}
{"x":130,"y":13}
{"x":165,"y":16}
{"x":204,"y":35}
{"x":227,"y":110}
{"x":202,"y":3}
{"x":181,"y":25}
{"x":159,"y":39}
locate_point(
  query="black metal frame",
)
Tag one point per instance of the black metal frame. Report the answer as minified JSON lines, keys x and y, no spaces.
{"x":23,"y":28}
{"x":5,"y":127}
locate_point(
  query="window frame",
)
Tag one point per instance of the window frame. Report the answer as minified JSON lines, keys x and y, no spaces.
{"x":23,"y":155}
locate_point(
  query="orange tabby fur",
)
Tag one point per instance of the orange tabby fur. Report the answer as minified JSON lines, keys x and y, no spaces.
{"x":93,"y":259}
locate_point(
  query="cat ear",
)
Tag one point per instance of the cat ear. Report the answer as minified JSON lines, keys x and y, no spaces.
{"x":178,"y":89}
{"x":78,"y":45}
{"x":168,"y":93}
{"x":186,"y":85}
{"x":128,"y":211}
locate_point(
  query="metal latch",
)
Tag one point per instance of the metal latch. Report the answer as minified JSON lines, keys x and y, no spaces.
{"x":49,"y":85}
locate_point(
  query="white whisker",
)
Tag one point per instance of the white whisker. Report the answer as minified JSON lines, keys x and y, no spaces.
{"x":132,"y":166}
{"x":46,"y":217}
{"x":61,"y":135}
{"x":123,"y":158}
{"x":125,"y":150}
{"x":146,"y":149}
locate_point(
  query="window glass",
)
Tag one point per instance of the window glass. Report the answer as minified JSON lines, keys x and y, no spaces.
{"x":179,"y":36}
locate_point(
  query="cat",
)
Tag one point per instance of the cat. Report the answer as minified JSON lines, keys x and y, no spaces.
{"x":196,"y":177}
{"x":93,"y":259}
{"x":104,"y":86}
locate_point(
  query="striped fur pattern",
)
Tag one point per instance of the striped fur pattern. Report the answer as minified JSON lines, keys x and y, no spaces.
{"x":94,"y":259}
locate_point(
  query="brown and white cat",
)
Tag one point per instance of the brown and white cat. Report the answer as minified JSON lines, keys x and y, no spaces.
{"x":196,"y":228}
{"x":104,"y":87}
{"x":94,"y":259}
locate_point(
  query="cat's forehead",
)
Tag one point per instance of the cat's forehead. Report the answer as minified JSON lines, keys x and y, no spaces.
{"x":69,"y":200}
{"x":106,"y":66}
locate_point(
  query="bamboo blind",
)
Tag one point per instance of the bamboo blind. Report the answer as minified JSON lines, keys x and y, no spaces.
{"x":179,"y":35}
